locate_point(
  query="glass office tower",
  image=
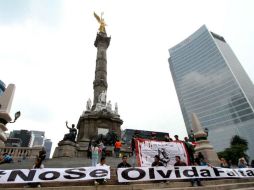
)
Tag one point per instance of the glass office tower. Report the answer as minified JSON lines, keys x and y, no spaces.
{"x":2,"y":87}
{"x":211,"y":82}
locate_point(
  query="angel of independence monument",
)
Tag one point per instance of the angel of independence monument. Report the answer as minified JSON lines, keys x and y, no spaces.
{"x":99,"y":120}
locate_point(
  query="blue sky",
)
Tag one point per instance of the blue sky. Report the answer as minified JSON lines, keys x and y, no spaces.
{"x":47,"y":50}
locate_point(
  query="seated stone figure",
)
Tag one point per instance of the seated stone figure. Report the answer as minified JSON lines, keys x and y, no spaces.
{"x":71,"y":136}
{"x":109,"y":139}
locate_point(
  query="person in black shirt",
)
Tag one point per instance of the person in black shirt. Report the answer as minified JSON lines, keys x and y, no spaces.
{"x":179,"y":162}
{"x":157,"y":161}
{"x":124,"y":163}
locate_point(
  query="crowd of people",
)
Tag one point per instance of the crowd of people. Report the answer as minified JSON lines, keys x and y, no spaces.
{"x":97,"y":152}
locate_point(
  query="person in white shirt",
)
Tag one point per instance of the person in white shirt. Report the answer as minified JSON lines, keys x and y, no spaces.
{"x":101,"y":164}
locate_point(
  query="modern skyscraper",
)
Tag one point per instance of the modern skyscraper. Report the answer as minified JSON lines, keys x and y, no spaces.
{"x":2,"y":87}
{"x":37,"y":138}
{"x":48,"y":146}
{"x":23,"y":135}
{"x":211,"y":82}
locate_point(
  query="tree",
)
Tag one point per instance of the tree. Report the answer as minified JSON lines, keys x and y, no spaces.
{"x":238,"y":147}
{"x":237,"y":140}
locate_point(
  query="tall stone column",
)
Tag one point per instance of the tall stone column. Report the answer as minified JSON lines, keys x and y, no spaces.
{"x":100,"y":82}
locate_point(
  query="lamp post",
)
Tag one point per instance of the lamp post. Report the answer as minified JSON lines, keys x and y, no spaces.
{"x":17,"y":115}
{"x":6,"y":97}
{"x":3,"y":122}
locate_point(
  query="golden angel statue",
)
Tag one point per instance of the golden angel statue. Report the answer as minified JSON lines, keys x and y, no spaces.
{"x":101,"y":21}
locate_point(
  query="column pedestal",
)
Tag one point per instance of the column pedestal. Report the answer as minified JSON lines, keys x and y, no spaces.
{"x":66,"y":149}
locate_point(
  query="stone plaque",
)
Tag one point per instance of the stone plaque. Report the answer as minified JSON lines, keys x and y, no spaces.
{"x":102,"y":131}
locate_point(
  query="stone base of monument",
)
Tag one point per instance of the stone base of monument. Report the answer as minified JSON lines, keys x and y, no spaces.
{"x":66,"y":149}
{"x":208,"y":151}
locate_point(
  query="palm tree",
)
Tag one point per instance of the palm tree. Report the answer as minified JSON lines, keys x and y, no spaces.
{"x":237,"y":140}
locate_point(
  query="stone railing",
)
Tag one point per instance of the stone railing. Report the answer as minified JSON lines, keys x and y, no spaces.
{"x":21,"y":152}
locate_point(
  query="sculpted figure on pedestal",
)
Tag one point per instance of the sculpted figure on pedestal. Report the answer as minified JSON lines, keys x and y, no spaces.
{"x":109,"y":106}
{"x":71,"y":136}
{"x":88,"y":104}
{"x":101,"y":22}
{"x":102,"y":97}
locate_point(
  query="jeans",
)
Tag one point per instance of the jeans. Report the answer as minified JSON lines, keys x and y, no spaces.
{"x":94,"y":161}
{"x":117,"y":152}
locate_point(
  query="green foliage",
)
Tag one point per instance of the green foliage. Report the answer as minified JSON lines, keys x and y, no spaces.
{"x":237,"y":140}
{"x":237,"y":149}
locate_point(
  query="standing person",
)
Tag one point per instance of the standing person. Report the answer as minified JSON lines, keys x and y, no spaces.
{"x":41,"y":157}
{"x":190,"y":149}
{"x":89,"y":150}
{"x":37,"y":165}
{"x":177,"y":138}
{"x":124,"y":163}
{"x":181,"y":163}
{"x":198,"y":162}
{"x":101,"y":164}
{"x":133,"y":150}
{"x":101,"y":147}
{"x":118,"y":146}
{"x":157,"y":161}
{"x":95,"y":154}
{"x":167,"y":138}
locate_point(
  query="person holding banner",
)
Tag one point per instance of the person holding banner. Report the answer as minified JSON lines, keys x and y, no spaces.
{"x":103,"y":164}
{"x":157,"y":161}
{"x":124,"y":163}
{"x":37,"y":165}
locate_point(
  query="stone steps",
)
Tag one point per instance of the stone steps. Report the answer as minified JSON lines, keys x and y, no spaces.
{"x":60,"y":163}
{"x":112,"y":184}
{"x":225,"y":184}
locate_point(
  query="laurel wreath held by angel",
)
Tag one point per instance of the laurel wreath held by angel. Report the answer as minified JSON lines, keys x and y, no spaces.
{"x":101,"y":22}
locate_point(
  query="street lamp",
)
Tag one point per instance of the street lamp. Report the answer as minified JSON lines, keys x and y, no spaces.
{"x":17,"y":115}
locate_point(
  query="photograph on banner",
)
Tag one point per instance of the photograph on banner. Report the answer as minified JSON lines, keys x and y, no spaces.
{"x":146,"y":150}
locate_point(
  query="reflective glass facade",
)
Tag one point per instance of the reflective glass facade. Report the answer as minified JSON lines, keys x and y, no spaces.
{"x":211,"y":82}
{"x":2,"y":87}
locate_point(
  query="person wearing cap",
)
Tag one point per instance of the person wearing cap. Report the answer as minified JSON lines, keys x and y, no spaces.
{"x":157,"y":161}
{"x":153,"y":134}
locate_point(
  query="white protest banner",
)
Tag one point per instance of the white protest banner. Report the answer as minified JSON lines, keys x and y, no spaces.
{"x":53,"y":174}
{"x":147,"y":149}
{"x":180,"y":172}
